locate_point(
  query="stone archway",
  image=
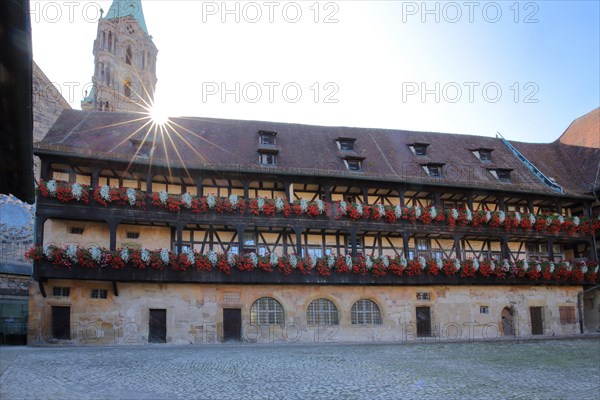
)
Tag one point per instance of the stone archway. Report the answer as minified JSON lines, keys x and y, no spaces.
{"x":508,"y":323}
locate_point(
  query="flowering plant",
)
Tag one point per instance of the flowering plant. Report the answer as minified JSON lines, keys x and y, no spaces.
{"x":64,"y":191}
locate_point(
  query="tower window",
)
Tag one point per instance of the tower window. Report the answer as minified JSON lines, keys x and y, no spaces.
{"x":128,"y":55}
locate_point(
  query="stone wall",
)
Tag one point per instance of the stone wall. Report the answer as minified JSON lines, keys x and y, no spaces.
{"x":48,"y":104}
{"x":195,"y":312}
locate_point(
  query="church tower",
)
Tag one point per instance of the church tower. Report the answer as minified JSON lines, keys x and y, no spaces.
{"x":124,"y":61}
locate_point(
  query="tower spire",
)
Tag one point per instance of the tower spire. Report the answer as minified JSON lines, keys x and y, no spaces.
{"x":124,"y":8}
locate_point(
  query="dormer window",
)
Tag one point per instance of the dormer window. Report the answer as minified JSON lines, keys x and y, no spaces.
{"x":345,"y":144}
{"x":142,"y":148}
{"x":433,"y":170}
{"x":353,"y":163}
{"x":484,"y":155}
{"x":419,"y":149}
{"x":266,"y":138}
{"x":503,"y":175}
{"x":269,"y":159}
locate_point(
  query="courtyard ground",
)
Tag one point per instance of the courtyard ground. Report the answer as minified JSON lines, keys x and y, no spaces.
{"x":534,"y":369}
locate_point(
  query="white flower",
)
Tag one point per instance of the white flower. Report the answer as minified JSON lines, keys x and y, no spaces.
{"x":145,"y":255}
{"x":551,"y":267}
{"x":52,"y":186}
{"x":260,"y":202}
{"x":320,"y":206}
{"x":230,"y":258}
{"x":398,"y":211}
{"x":433,"y":212}
{"x":348,"y":261}
{"x":163,"y":196}
{"x":596,"y":269}
{"x":385,"y":260}
{"x":313,"y":261}
{"x":561,"y":219}
{"x":187,"y":200}
{"x":576,"y":221}
{"x":403,"y":262}
{"x":212,"y":258}
{"x":532,"y":219}
{"x":457,"y":263}
{"x":330,"y":261}
{"x":369,"y":263}
{"x":476,"y":264}
{"x":72,"y":252}
{"x":293,"y":260}
{"x":77,"y":191}
{"x":343,"y":206}
{"x":438,"y":262}
{"x":359,"y":209}
{"x":125,"y":254}
{"x":211,"y":201}
{"x":105,"y":192}
{"x":469,"y":215}
{"x":518,"y":217}
{"x":380,"y":209}
{"x":303,"y":205}
{"x":279,"y":204}
{"x":492,"y":264}
{"x":525,"y":265}
{"x":584,"y":269}
{"x":131,"y":196}
{"x":505,"y":265}
{"x":454,"y":213}
{"x":96,"y":253}
{"x":422,"y":262}
{"x":538,"y":266}
{"x":273,"y":259}
{"x":164,"y":256}
{"x":417,"y":211}
{"x":47,"y":251}
{"x":233,"y":199}
{"x":189,"y":253}
{"x":488,"y":216}
{"x":254,"y":259}
{"x":501,"y":216}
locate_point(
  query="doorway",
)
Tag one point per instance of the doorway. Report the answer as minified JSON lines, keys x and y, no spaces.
{"x":537,"y":326}
{"x":508,"y":324}
{"x":61,"y":322}
{"x":423,"y":321}
{"x":232,"y":324}
{"x":157,"y":332}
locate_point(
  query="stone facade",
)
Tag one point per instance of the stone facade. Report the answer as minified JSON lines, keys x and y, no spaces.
{"x":194,"y":312}
{"x":48,"y":104}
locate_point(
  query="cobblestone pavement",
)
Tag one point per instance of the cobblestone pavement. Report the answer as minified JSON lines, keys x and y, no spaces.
{"x":552,"y":369}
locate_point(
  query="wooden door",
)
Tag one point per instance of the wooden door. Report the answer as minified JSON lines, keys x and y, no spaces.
{"x":423,"y":321}
{"x":537,"y":326}
{"x":61,"y":322}
{"x":232,"y":324}
{"x":157,"y":332}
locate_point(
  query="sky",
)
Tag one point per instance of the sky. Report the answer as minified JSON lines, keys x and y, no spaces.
{"x":524,"y":69}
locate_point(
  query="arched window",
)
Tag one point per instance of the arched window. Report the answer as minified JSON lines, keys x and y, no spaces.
{"x":266,"y":310}
{"x":365,"y":312}
{"x":110,"y":38}
{"x":128,"y":55}
{"x":322,"y":312}
{"x":103,"y":40}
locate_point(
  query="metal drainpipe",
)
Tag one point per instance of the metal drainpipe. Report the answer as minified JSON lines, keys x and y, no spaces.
{"x":579,"y":306}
